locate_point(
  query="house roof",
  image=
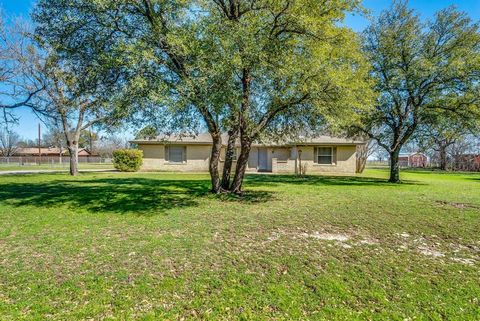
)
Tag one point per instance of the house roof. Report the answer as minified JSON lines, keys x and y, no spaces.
{"x":206,"y":139}
{"x":50,"y":151}
{"x":35,"y":150}
{"x":323,"y":139}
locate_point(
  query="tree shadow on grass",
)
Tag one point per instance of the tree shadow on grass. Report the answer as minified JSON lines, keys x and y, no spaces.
{"x":149,"y":196}
{"x":143,"y":196}
{"x":269,"y":180}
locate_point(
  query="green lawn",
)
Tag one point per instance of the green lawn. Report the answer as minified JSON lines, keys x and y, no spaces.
{"x":156,"y":246}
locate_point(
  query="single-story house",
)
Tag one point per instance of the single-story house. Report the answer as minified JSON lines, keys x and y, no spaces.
{"x":322,"y":154}
{"x":416,"y":159}
{"x":49,"y":151}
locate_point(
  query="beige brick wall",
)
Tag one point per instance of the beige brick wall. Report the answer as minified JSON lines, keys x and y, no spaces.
{"x":154,"y":158}
{"x":152,"y":151}
{"x":283,"y":166}
{"x":281,"y":160}
{"x":346,"y":160}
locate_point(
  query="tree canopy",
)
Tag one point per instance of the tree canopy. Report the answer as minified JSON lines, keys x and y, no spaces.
{"x":420,"y":69}
{"x":241,"y":66}
{"x":16,"y":88}
{"x":74,"y":97}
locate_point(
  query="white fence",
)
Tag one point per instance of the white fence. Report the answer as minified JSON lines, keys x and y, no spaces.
{"x":49,"y":160}
{"x":462,"y":166}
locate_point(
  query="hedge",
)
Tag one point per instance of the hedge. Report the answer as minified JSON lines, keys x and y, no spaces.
{"x":127,"y":160}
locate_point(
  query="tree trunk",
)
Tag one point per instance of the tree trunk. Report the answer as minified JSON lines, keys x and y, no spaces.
{"x":362,"y":155}
{"x":242,"y":163}
{"x":394,"y":167}
{"x":443,"y":157}
{"x":229,"y":154}
{"x":213,"y":164}
{"x":301,"y":169}
{"x":361,"y":164}
{"x":73,"y":150}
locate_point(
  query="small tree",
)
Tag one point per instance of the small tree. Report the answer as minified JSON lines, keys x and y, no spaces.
{"x":364,"y":151}
{"x":56,"y":138}
{"x":108,"y":144}
{"x":9,"y":142}
{"x":74,"y":98}
{"x":419,"y":69}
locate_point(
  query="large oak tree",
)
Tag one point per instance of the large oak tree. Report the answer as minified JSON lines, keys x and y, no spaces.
{"x":420,"y":69}
{"x":295,"y":68}
{"x":242,"y":66}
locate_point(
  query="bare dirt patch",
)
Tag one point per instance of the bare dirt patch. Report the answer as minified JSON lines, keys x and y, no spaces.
{"x":327,"y":236}
{"x":435,"y":248}
{"x":428,"y":251}
{"x":456,"y":205}
{"x":368,"y":241}
{"x":465,"y":261}
{"x":430,"y":246}
{"x":341,"y":238}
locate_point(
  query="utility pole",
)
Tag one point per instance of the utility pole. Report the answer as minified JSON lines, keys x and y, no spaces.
{"x":39,"y":144}
{"x":90,"y":140}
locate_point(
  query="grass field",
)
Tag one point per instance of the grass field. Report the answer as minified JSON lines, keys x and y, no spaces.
{"x":156,"y":246}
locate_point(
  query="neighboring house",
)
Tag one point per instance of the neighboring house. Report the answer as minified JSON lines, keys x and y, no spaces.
{"x":321,"y":154}
{"x":467,"y":162}
{"x":50,"y":152}
{"x":416,"y":159}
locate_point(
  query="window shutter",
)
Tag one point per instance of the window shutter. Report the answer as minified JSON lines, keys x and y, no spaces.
{"x":167,"y":153}
{"x":315,"y":155}
{"x":185,"y":154}
{"x":334,"y":155}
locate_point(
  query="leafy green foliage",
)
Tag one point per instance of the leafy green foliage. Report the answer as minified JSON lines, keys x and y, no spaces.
{"x":292,"y":69}
{"x":420,"y":69}
{"x":147,"y":132}
{"x":275,"y":67}
{"x":127,"y":160}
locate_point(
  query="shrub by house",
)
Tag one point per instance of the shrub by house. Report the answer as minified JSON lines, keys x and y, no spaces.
{"x":127,"y":160}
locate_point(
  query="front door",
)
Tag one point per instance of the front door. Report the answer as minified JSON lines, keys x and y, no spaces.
{"x":262,"y":159}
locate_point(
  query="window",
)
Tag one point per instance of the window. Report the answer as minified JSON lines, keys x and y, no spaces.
{"x":325,"y":155}
{"x":176,"y":154}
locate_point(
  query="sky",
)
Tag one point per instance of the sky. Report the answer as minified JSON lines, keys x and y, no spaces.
{"x":28,"y":123}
